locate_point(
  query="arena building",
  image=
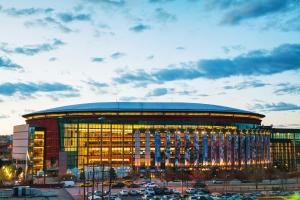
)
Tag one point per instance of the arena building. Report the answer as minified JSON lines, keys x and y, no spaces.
{"x":146,"y":136}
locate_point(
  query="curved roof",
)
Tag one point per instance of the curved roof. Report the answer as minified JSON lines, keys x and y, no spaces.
{"x":143,"y":107}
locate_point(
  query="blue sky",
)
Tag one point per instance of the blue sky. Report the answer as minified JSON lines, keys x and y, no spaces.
{"x":243,"y":54}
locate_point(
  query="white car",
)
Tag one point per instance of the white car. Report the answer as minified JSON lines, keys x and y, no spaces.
{"x":124,"y":192}
{"x":133,"y":192}
{"x":174,"y":191}
{"x":190,"y":191}
{"x":141,"y":191}
{"x":150,"y":185}
{"x":93,"y":197}
{"x":150,"y":192}
{"x":146,"y":196}
{"x":68,"y":183}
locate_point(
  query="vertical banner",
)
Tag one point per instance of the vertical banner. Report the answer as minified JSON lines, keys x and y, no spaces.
{"x":205,"y":148}
{"x":236,"y":149}
{"x":147,"y":149}
{"x":264,"y":144}
{"x":253,"y":148}
{"x":221,"y":148}
{"x":168,"y":147}
{"x":186,"y":148}
{"x":257,"y":145}
{"x":268,"y":149}
{"x":213,"y":151}
{"x":196,"y":148}
{"x":177,"y":148}
{"x":262,"y":147}
{"x":228,"y":148}
{"x":242,"y":148}
{"x":157,"y":149}
{"x":248,"y":149}
{"x":137,"y":144}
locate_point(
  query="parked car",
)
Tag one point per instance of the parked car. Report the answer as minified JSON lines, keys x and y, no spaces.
{"x":150,"y":192}
{"x":141,"y":191}
{"x":190,"y":191}
{"x":174,"y":191}
{"x":94,"y":197}
{"x":151,"y":185}
{"x":217,"y":182}
{"x":118,"y":185}
{"x":87,"y":184}
{"x":133,"y":185}
{"x":133,"y":192}
{"x":68,"y":183}
{"x":124,"y":192}
{"x":99,"y":193}
{"x":147,"y":196}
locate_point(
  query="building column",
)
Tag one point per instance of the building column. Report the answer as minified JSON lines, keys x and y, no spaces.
{"x":157,"y":149}
{"x":196,"y":148}
{"x":213,"y":151}
{"x":177,"y":148}
{"x":147,"y":149}
{"x":137,"y":146}
{"x":205,"y":148}
{"x":167,"y":148}
{"x":186,"y":148}
{"x":221,"y":148}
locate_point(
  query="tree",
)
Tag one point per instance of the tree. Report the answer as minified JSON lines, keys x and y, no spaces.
{"x":169,"y":175}
{"x":6,"y":173}
{"x":112,"y":174}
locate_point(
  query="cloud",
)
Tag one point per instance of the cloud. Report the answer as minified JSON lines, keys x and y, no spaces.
{"x":158,"y":92}
{"x":48,"y":22}
{"x":69,"y":17}
{"x":139,"y":28}
{"x":237,"y":11}
{"x":52,"y":59}
{"x":180,"y":48}
{"x":6,"y":63}
{"x":96,"y":84}
{"x":26,"y":11}
{"x":287,"y":126}
{"x":117,"y":55}
{"x":260,"y":62}
{"x":163,"y":16}
{"x":128,"y":98}
{"x":29,"y":88}
{"x":97,"y":59}
{"x":2,"y":116}
{"x":246,"y":85}
{"x":160,"y":1}
{"x":56,"y":96}
{"x":108,"y":2}
{"x":229,"y":49}
{"x":150,"y":57}
{"x":31,"y":50}
{"x":286,"y":88}
{"x":281,"y":106}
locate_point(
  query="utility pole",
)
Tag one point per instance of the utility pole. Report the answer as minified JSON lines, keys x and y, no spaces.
{"x":102,"y":180}
{"x":83,"y":180}
{"x":93,"y":181}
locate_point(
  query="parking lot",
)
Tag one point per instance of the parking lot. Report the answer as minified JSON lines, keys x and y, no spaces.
{"x":177,"y":191}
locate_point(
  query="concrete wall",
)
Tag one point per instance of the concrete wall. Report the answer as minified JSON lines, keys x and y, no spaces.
{"x":20,"y":142}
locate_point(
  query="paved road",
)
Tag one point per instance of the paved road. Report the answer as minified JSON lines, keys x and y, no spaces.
{"x":62,"y":194}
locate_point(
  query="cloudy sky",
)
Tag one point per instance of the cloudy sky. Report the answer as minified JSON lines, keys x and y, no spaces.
{"x":243,"y":54}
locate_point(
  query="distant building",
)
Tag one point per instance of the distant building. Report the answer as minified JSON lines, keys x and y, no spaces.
{"x":20,"y":145}
{"x":5,"y":147}
{"x":146,"y":136}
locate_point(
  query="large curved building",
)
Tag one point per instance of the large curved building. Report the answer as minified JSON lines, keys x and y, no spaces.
{"x":147,"y":135}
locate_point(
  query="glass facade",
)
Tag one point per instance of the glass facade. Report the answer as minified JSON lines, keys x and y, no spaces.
{"x":157,"y":146}
{"x":36,"y":149}
{"x":286,"y":148}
